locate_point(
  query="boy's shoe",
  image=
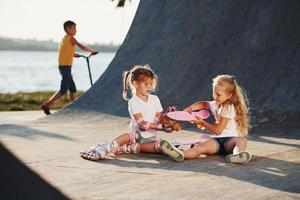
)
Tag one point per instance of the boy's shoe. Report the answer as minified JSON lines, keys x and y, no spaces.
{"x":46,"y":109}
{"x":170,"y":150}
{"x":240,"y":158}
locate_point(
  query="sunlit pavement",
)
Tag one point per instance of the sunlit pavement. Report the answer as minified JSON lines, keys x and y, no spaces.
{"x":52,"y":150}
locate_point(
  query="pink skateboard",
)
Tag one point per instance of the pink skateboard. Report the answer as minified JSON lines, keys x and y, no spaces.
{"x":186,"y":116}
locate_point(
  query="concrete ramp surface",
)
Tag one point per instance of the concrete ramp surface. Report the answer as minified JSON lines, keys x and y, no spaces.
{"x":188,"y":43}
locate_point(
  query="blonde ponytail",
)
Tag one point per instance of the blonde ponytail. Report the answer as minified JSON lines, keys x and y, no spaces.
{"x":240,"y":103}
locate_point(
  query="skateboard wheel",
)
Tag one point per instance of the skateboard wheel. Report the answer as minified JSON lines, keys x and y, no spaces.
{"x":176,"y":127}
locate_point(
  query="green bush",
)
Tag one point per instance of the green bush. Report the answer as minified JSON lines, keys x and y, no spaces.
{"x":30,"y":101}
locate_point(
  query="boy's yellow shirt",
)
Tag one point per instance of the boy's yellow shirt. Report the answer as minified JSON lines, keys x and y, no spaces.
{"x":66,"y":51}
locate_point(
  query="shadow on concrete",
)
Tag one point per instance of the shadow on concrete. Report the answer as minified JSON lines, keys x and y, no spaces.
{"x":19,"y":182}
{"x":266,"y":172}
{"x":263,"y":139}
{"x":261,"y":136}
{"x":29,"y":133}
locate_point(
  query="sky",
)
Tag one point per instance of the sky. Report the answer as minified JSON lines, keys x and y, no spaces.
{"x":98,"y":21}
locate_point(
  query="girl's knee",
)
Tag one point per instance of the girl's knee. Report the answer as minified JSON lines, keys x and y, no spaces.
{"x":243,"y":141}
{"x":199,"y":149}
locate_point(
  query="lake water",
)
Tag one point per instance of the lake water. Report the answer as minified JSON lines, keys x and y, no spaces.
{"x":30,"y":71}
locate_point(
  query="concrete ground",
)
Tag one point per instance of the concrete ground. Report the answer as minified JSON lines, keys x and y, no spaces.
{"x":52,"y":151}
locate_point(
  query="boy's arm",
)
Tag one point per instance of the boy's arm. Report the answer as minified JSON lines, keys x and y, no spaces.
{"x":75,"y":42}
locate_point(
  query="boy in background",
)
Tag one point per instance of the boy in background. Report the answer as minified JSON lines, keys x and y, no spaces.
{"x":65,"y":59}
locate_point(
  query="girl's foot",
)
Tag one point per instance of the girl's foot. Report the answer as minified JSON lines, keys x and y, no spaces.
{"x":240,"y":158}
{"x":202,"y":156}
{"x":170,"y":150}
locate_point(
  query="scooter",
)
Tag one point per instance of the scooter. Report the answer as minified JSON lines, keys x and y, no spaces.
{"x":87,"y":58}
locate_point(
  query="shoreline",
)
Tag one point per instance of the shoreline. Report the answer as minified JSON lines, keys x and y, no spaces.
{"x":28,"y":101}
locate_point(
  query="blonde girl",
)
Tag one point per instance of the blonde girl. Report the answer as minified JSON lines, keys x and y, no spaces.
{"x":230,"y":129}
{"x":145,"y":111}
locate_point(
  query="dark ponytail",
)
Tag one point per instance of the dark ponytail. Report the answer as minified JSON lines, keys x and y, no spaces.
{"x":126,"y":84}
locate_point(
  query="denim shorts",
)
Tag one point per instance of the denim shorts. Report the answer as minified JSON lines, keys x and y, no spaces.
{"x":221,"y":142}
{"x":67,"y":82}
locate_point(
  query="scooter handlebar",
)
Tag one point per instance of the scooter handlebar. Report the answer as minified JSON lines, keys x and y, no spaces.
{"x":93,"y":53}
{"x":83,"y":56}
{"x":80,"y":56}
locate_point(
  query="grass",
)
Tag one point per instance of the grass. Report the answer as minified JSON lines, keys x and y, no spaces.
{"x":30,"y":101}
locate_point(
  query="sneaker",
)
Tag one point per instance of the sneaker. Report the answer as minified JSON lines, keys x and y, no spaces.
{"x":240,"y":158}
{"x":170,"y":150}
{"x":46,"y":109}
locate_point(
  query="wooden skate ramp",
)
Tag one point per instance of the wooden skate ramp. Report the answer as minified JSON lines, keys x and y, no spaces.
{"x":187,"y":43}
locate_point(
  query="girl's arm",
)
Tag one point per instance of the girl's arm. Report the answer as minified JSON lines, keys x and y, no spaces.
{"x":75,"y":42}
{"x":159,"y":117}
{"x":145,"y":125}
{"x":215,"y":129}
{"x":197,"y":106}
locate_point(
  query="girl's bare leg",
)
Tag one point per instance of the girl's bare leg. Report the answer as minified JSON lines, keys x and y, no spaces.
{"x":208,"y":147}
{"x":148,"y":148}
{"x":236,"y":145}
{"x":123,"y":139}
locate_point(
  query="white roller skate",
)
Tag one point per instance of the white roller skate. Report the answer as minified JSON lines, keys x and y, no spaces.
{"x":100,"y":151}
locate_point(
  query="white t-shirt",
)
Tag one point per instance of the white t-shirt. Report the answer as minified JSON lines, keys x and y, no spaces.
{"x":147,"y":109}
{"x":228,"y":112}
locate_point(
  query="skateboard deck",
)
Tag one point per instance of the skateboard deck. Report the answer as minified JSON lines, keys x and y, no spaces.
{"x":187,"y":116}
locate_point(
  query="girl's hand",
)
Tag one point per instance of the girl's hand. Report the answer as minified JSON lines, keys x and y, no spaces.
{"x":190,"y":110}
{"x":161,"y":127}
{"x":200,"y":123}
{"x":171,"y":109}
{"x":199,"y":120}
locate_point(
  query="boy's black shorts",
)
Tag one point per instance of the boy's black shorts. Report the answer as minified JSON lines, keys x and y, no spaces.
{"x":67,"y":82}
